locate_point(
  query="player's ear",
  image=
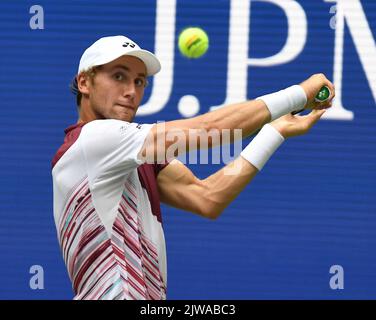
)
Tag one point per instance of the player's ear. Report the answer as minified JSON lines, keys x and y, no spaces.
{"x":83,"y":83}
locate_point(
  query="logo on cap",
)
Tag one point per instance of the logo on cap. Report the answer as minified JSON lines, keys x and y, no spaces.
{"x":131,"y":44}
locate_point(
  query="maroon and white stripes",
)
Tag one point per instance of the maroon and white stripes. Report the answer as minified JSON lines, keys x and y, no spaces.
{"x":121,"y":265}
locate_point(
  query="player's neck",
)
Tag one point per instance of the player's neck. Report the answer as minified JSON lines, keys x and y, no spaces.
{"x":86,"y":114}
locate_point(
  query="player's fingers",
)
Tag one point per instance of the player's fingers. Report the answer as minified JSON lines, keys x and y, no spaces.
{"x":324,"y":105}
{"x":313,"y":117}
{"x":329,"y":105}
{"x":332,"y":90}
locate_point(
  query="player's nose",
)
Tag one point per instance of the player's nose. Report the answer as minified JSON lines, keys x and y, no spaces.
{"x":129,"y":90}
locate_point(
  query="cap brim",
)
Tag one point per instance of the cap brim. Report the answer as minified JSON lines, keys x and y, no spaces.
{"x":151,"y":61}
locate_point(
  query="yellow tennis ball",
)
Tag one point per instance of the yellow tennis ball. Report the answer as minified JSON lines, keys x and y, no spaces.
{"x":193,"y":42}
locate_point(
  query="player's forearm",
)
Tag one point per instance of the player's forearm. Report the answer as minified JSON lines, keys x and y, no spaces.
{"x":170,"y":139}
{"x":248,"y":116}
{"x":225,"y":185}
{"x":205,"y":131}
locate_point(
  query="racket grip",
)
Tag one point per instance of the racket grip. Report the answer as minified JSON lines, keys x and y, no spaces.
{"x":321,"y":96}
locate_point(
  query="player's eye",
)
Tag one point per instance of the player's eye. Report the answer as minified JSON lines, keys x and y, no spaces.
{"x":140,"y":82}
{"x":119,"y":76}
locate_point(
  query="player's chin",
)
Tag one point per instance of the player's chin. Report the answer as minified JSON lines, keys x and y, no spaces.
{"x":124,"y":114}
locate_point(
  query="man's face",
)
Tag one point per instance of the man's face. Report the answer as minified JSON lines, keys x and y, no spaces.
{"x":117,"y":89}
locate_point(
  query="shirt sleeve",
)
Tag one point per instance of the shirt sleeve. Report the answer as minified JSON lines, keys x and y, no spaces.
{"x":159,"y":167}
{"x":111,"y":147}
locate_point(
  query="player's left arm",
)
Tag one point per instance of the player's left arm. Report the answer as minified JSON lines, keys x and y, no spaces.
{"x":180,"y":188}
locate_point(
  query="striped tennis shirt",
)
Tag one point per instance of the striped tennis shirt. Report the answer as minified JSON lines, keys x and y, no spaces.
{"x":107,"y":212}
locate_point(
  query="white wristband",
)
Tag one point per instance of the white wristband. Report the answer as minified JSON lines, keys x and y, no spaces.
{"x":285,"y":101}
{"x":260,"y":149}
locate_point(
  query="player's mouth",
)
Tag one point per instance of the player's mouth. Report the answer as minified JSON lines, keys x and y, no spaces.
{"x":126,"y":106}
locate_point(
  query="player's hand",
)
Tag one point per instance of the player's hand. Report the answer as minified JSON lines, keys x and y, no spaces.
{"x":312,"y":86}
{"x":294,"y":125}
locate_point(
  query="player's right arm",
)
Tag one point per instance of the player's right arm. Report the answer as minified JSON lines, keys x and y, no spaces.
{"x":180,"y":188}
{"x":247,"y":116}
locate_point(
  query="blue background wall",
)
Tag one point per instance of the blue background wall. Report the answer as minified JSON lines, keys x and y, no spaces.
{"x":313,"y":205}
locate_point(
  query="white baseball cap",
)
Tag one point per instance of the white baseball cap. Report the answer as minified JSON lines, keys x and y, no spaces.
{"x":108,"y":49}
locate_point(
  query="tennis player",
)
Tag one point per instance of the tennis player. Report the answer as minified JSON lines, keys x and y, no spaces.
{"x":108,"y":185}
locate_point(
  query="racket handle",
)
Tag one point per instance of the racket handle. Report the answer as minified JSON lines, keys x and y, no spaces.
{"x":322,"y":96}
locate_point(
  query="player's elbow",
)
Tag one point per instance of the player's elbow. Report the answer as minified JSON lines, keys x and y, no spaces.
{"x":211,"y":209}
{"x":208,"y":202}
{"x":209,"y":214}
{"x":214,"y":214}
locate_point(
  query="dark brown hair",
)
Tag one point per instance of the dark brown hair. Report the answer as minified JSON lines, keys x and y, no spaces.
{"x":74,"y":86}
